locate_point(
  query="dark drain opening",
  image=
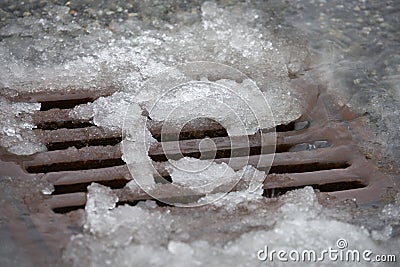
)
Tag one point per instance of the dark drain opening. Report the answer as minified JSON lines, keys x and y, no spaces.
{"x":75,"y":165}
{"x":64,"y":104}
{"x":134,"y":203}
{"x":82,"y":187}
{"x":292,"y":126}
{"x":194,"y":129}
{"x":54,"y":125}
{"x":198,"y":155}
{"x":187,"y":135}
{"x":163,"y":180}
{"x":308,"y":167}
{"x":66,"y":209}
{"x":285,"y":127}
{"x":330,"y":187}
{"x":112,"y":141}
{"x":63,"y":210}
{"x":226,"y":153}
{"x":217,"y":130}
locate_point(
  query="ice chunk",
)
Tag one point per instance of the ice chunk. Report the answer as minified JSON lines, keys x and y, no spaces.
{"x":251,"y":179}
{"x":106,"y":111}
{"x":100,"y":200}
{"x":391,"y":211}
{"x":16,"y":128}
{"x":249,"y":189}
{"x":47,"y":189}
{"x":206,"y":89}
{"x":120,"y":111}
{"x":201,"y":175}
{"x":126,"y":224}
{"x":135,"y":146}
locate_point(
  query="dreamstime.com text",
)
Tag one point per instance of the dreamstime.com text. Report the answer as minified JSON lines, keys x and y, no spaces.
{"x":340,"y":253}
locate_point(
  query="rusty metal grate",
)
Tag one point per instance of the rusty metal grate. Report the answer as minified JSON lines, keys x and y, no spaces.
{"x":316,"y":150}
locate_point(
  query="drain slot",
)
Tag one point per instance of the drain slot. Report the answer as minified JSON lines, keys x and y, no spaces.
{"x":309,"y":146}
{"x":67,"y":209}
{"x":83,"y":143}
{"x":328,"y":187}
{"x":82,"y":187}
{"x":285,"y":127}
{"x":135,"y":202}
{"x":292,"y":126}
{"x":187,"y":135}
{"x":249,"y":146}
{"x":63,"y":124}
{"x":75,"y":166}
{"x":308,"y":167}
{"x":63,"y":104}
{"x":195,"y":129}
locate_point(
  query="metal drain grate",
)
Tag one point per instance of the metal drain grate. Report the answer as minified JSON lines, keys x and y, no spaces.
{"x":315,"y":150}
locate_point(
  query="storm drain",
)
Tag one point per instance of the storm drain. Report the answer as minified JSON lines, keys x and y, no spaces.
{"x":316,"y":150}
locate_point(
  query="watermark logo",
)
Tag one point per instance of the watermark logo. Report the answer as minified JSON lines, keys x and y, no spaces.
{"x":339,"y":253}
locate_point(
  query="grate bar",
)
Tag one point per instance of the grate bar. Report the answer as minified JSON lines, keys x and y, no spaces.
{"x":309,"y":178}
{"x":87,"y":176}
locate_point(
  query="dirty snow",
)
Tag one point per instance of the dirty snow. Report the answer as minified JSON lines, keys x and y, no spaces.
{"x":147,"y":235}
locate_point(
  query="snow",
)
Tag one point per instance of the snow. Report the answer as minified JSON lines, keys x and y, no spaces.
{"x":148,"y":235}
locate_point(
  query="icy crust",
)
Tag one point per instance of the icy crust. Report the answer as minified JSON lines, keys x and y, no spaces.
{"x":15,"y":127}
{"x":58,"y":50}
{"x":67,"y":51}
{"x":144,"y":235}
